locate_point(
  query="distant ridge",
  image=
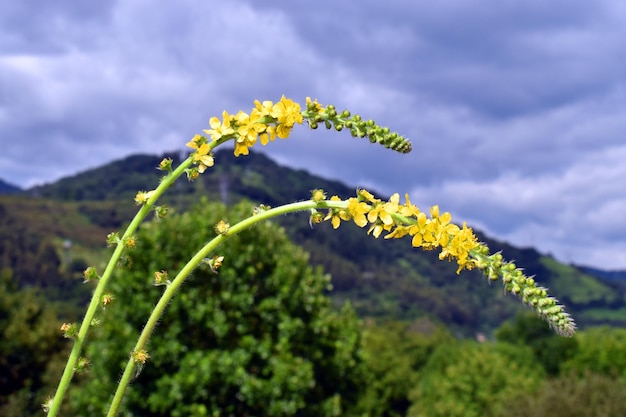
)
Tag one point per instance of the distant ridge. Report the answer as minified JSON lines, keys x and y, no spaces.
{"x":606,"y":275}
{"x":6,"y":188}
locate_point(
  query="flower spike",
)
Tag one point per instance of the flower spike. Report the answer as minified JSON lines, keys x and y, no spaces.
{"x":436,"y":230}
{"x":269,"y":120}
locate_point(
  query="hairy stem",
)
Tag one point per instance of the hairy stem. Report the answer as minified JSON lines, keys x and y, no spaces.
{"x":70,"y":367}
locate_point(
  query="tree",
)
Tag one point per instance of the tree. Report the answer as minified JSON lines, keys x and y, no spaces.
{"x":600,"y":350}
{"x":550,"y":349}
{"x":467,"y":379}
{"x":592,"y":395}
{"x":395,"y":352}
{"x":30,"y":346}
{"x":258,"y":338}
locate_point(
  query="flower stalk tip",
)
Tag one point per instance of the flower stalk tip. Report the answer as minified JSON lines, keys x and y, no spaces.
{"x":269,"y":120}
{"x":436,"y":230}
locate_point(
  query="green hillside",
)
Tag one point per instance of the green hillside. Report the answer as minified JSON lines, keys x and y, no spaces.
{"x":384,"y":279}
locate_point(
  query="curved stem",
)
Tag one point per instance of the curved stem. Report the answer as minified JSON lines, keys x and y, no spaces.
{"x":186,"y":271}
{"x":70,"y":367}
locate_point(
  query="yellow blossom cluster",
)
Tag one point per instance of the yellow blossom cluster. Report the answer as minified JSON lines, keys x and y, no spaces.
{"x":436,"y":230}
{"x":427,"y":232}
{"x":266,"y":121}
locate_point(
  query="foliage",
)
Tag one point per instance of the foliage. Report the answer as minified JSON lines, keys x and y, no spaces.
{"x":394,"y":353}
{"x":468,"y":379}
{"x":30,"y":348}
{"x":259,"y":338}
{"x":549,"y":349}
{"x":601,"y":350}
{"x":589,"y":395}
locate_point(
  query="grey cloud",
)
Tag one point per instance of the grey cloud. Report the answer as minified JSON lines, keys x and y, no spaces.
{"x":500,"y":58}
{"x":498,"y":97}
{"x":51,"y":27}
{"x":578,"y":213}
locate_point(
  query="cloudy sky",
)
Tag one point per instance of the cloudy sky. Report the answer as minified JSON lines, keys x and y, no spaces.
{"x":516,"y":110}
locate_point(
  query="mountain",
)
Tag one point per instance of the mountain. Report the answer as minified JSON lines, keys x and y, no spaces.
{"x":606,"y":275}
{"x":6,"y":188}
{"x":382,"y":278}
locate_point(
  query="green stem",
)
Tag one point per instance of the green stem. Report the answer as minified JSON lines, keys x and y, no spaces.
{"x":188,"y":268}
{"x":70,"y":367}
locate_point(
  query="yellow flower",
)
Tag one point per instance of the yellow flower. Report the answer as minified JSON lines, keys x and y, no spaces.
{"x":358,"y":210}
{"x":203,"y":157}
{"x":267,"y":135}
{"x":142,"y":197}
{"x":408,"y":209}
{"x":241,"y":149}
{"x":221,"y":228}
{"x":264,"y":109}
{"x":318,"y":195}
{"x":423,"y":232}
{"x":397,"y":233}
{"x":283,"y":131}
{"x":287,"y":114}
{"x":459,"y":247}
{"x":219,"y":129}
{"x":367,"y":195}
{"x":384,"y":211}
{"x":248,"y":129}
{"x":336,"y":215}
{"x":377,"y":229}
{"x":196,"y":142}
